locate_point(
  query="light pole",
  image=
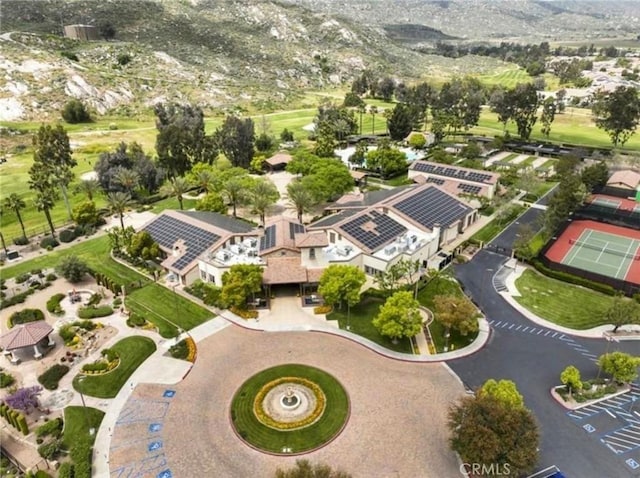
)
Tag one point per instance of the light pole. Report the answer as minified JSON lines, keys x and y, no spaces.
{"x":84,"y":406}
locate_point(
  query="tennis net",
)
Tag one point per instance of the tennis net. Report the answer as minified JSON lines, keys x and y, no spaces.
{"x":604,"y":249}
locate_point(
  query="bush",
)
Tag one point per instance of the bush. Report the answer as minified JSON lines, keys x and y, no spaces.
{"x":6,"y":379}
{"x":52,"y":427}
{"x":570,"y":278}
{"x":35,"y":272}
{"x":66,"y":470}
{"x":51,"y":277}
{"x":94,"y":299}
{"x":69,"y":55}
{"x":245,"y":314}
{"x":179,"y":350}
{"x":110,"y":354}
{"x":84,"y":324}
{"x":93,"y":312}
{"x":322,"y":309}
{"x":22,"y":278}
{"x":74,"y":112}
{"x":50,"y":450}
{"x":51,"y":377}
{"x":22,"y":424}
{"x":49,"y":242}
{"x":136,"y":320}
{"x":95,"y":367}
{"x":21,"y":241}
{"x":17,"y":299}
{"x":53,"y":304}
{"x":24,"y":316}
{"x":73,"y":269}
{"x":67,"y":235}
{"x":67,"y":333}
{"x":123,"y":59}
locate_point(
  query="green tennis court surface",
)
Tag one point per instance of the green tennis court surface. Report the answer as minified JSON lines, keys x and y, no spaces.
{"x":604,"y":202}
{"x":603,"y":253}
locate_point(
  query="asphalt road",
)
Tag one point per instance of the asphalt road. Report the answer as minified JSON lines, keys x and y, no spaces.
{"x":533,"y":357}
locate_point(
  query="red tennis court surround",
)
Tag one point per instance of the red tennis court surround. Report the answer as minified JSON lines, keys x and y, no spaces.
{"x":561,"y":247}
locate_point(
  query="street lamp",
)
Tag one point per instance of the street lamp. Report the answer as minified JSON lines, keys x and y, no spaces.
{"x":84,"y":406}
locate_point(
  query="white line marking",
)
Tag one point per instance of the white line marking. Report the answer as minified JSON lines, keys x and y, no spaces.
{"x":540,"y":331}
{"x":610,"y":413}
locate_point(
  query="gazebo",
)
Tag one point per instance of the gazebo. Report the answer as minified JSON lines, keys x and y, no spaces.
{"x":32,"y":334}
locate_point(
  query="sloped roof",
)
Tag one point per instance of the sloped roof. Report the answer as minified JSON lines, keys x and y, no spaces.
{"x":280,"y":233}
{"x":284,"y":270}
{"x":626,"y":177}
{"x":279,"y":158}
{"x":25,"y":335}
{"x":312,"y":239}
{"x":221,"y":221}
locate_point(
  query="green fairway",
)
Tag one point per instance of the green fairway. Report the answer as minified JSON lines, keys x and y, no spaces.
{"x":507,"y":78}
{"x":329,"y":424}
{"x":132,"y":352}
{"x":561,"y":303}
{"x":361,"y":323}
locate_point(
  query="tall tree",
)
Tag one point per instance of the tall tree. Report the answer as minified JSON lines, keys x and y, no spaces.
{"x":621,"y":366}
{"x":524,"y":102}
{"x":181,"y":141}
{"x":300,"y":197}
{"x":341,"y":283}
{"x":235,"y":138}
{"x":505,"y":391}
{"x":177,"y":187}
{"x":500,"y":105}
{"x":486,"y":430}
{"x":262,"y":195}
{"x":595,"y":176}
{"x":373,"y":109}
{"x":459,"y":103}
{"x":362,"y":109}
{"x":622,"y":311}
{"x":239,"y":283}
{"x":400,"y":122}
{"x":118,"y":203}
{"x":456,"y":312}
{"x":618,"y":113}
{"x":89,"y":187}
{"x":128,"y":179}
{"x":16,"y":204}
{"x":548,"y":115}
{"x":399,"y":317}
{"x":235,"y":183}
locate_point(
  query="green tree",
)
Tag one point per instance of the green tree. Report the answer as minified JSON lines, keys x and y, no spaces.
{"x":264,"y":142}
{"x":16,"y":204}
{"x":328,"y":179}
{"x":359,"y":154}
{"x":262,"y":195}
{"x":500,"y":105}
{"x":595,"y":176}
{"x":505,"y":391}
{"x":400,"y":122}
{"x":235,"y":139}
{"x":570,"y":377}
{"x":386,"y":160}
{"x":286,"y":136}
{"x":622,"y":311}
{"x":212,"y":202}
{"x":176,"y":187}
{"x":455,"y":312}
{"x":86,"y":214}
{"x":325,"y":141}
{"x":239,"y":283}
{"x":351,"y":99}
{"x":399,"y":317}
{"x":205,"y":176}
{"x":621,"y":366}
{"x":485,"y":430}
{"x":300,"y":197}
{"x":548,"y":115}
{"x":617,"y":113}
{"x":74,"y":111}
{"x":522,"y":242}
{"x":44,"y":202}
{"x":471,"y":151}
{"x":234,"y":189}
{"x":458,"y":104}
{"x":128,"y":179}
{"x":118,"y":203}
{"x":72,"y":268}
{"x":417,"y":141}
{"x":341,"y":283}
{"x":304,"y":469}
{"x":524,"y":101}
{"x":142,"y":245}
{"x":373,"y":109}
{"x":88,"y":187}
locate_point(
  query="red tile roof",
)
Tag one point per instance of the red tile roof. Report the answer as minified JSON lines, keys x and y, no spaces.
{"x":25,"y":335}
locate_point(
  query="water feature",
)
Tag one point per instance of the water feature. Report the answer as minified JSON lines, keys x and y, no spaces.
{"x":345,"y":154}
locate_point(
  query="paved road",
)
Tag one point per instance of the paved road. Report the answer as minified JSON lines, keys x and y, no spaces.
{"x":533,"y":357}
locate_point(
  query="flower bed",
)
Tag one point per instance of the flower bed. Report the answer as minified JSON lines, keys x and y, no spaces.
{"x":107,"y":363}
{"x":245,"y":314}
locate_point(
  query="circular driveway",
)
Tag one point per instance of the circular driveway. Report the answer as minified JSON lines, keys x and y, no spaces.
{"x":397,"y":426}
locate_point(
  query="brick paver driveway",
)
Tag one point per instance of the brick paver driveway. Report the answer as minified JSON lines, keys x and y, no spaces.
{"x":397,"y":426}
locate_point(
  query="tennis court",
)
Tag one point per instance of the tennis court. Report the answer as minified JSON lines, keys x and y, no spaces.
{"x":603,"y":253}
{"x":606,"y":202}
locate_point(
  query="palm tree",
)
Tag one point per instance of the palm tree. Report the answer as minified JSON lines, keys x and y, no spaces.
{"x":263,"y":195}
{"x":300,"y":197}
{"x":90,"y":187}
{"x":15,"y":203}
{"x":235,"y":192}
{"x":176,"y":187}
{"x":44,"y":202}
{"x":4,"y":244}
{"x":373,"y":110}
{"x":205,"y":180}
{"x":362,"y":108}
{"x":128,"y":179}
{"x":118,"y":203}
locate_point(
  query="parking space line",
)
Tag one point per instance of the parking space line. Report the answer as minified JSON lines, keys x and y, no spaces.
{"x":541,"y":330}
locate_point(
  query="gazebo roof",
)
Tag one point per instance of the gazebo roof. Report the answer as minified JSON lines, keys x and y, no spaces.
{"x":25,"y":335}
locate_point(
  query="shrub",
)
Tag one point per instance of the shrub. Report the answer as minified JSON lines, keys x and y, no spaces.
{"x":74,"y":111}
{"x":84,"y":324}
{"x":109,"y":354}
{"x":323,"y":309}
{"x":6,"y":379}
{"x":52,"y":376}
{"x":100,"y":366}
{"x":69,"y":55}
{"x":51,"y":277}
{"x":245,"y":314}
{"x":50,"y":450}
{"x":73,"y":269}
{"x":22,"y":424}
{"x":53,"y":304}
{"x":94,"y":299}
{"x":36,"y":272}
{"x":24,"y":316}
{"x":17,"y":299}
{"x":66,"y":470}
{"x":136,"y":320}
{"x":67,"y":333}
{"x":124,"y":59}
{"x":179,"y":350}
{"x":570,"y":278}
{"x":93,"y":312}
{"x":49,"y":242}
{"x":117,"y":302}
{"x":22,"y":278}
{"x":21,"y":241}
{"x":67,"y":235}
{"x":52,"y":427}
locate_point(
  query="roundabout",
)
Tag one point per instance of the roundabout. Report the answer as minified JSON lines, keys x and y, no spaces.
{"x":289,"y":409}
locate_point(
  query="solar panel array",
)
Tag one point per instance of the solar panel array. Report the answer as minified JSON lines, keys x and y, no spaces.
{"x":268,"y":240}
{"x":437,"y":181}
{"x":166,"y":230}
{"x":431,"y":206}
{"x":469,"y":188}
{"x":378,"y":231}
{"x":294,"y":229}
{"x":443,"y":170}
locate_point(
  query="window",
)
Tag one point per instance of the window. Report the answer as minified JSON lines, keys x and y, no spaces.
{"x":339,"y":237}
{"x":372,"y":271}
{"x":203,"y":275}
{"x":332,"y":237}
{"x":312,"y":253}
{"x":212,"y":278}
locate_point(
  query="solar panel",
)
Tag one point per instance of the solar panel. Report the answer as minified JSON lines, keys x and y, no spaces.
{"x":166,"y":230}
{"x":469,"y":188}
{"x":437,"y":181}
{"x":431,"y":206}
{"x":451,"y":172}
{"x":268,"y":240}
{"x":294,"y":229}
{"x":373,"y":229}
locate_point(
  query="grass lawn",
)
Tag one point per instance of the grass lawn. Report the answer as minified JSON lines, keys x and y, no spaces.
{"x":527,"y":162}
{"x":172,"y":203}
{"x":132,"y":351}
{"x":561,"y":303}
{"x":361,"y":319}
{"x":162,"y":306}
{"x":495,"y":227}
{"x":77,"y":421}
{"x":443,"y":285}
{"x":307,"y":438}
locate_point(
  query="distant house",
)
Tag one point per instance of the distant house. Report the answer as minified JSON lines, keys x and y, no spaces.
{"x":81,"y":32}
{"x":278,"y":161}
{"x":623,"y":183}
{"x":454,"y":179}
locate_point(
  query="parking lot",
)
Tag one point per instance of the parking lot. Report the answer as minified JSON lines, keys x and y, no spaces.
{"x":615,"y":423}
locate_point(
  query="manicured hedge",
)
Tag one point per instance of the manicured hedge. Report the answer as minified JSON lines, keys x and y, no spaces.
{"x":67,"y":235}
{"x":49,"y":242}
{"x":570,"y":278}
{"x":93,"y":312}
{"x":53,"y":304}
{"x":52,"y":376}
{"x":52,"y":427}
{"x":24,"y":316}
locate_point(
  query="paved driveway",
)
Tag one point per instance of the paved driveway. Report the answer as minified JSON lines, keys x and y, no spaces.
{"x":397,"y":426}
